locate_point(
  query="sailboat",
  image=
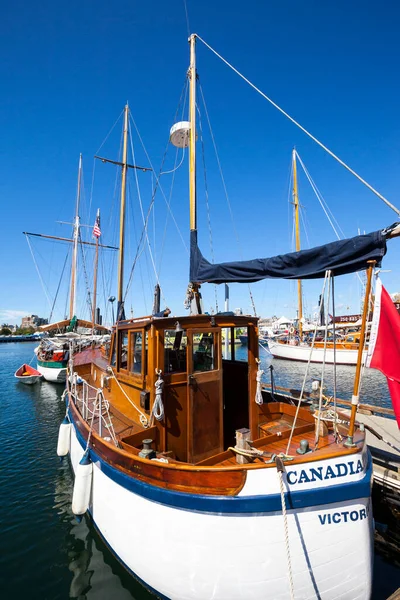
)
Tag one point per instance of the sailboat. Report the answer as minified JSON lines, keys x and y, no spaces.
{"x":53,"y":353}
{"x":294,"y":347}
{"x":203,"y":485}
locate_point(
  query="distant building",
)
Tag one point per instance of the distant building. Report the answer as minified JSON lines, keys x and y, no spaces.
{"x":33,"y":321}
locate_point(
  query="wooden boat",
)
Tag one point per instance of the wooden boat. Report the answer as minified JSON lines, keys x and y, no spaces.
{"x":27,"y":374}
{"x":200,"y":484}
{"x":52,"y":354}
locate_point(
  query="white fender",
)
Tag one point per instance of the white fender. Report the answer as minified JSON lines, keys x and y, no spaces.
{"x":82,"y":485}
{"x":64,"y":438}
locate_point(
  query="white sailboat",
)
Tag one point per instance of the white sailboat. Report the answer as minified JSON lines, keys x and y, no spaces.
{"x":293,"y":347}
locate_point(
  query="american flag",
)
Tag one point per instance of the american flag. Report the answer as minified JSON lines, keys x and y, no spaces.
{"x":96,"y":228}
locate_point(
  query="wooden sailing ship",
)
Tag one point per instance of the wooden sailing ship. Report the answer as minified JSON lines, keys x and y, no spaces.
{"x":202,"y":484}
{"x":53,"y":353}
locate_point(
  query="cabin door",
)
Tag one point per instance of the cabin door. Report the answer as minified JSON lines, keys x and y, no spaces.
{"x":205,"y":397}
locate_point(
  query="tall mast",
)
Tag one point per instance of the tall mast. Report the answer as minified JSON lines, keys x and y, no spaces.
{"x":120,"y":310}
{"x":297,"y":228}
{"x":195,"y":305}
{"x":192,"y":137}
{"x":72,"y":298}
{"x":96,"y":263}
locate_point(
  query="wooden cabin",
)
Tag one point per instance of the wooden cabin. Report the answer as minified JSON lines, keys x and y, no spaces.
{"x":208,"y":391}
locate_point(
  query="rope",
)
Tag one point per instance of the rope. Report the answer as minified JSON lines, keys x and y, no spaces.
{"x":259,"y":399}
{"x":334,"y":355}
{"x":323,"y":364}
{"x":158,"y":407}
{"x":143,"y":418}
{"x":281,"y":469}
{"x":305,"y":374}
{"x":396,"y":210}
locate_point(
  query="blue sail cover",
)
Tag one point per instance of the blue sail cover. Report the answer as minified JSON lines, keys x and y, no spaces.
{"x":341,"y":257}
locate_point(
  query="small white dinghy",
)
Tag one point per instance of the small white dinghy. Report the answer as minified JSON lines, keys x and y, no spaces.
{"x":27,"y":374}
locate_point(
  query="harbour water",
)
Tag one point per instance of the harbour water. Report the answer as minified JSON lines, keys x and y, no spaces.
{"x":45,"y":553}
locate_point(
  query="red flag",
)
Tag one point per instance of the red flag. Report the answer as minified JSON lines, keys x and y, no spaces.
{"x":384,"y":346}
{"x":96,"y":228}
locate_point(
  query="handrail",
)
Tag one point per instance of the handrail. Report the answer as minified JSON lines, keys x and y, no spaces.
{"x":370,"y":407}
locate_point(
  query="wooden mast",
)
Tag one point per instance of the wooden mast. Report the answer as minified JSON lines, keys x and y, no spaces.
{"x":96,"y":263}
{"x":192,"y":137}
{"x":72,"y":298}
{"x":297,"y":228}
{"x":195,"y":307}
{"x":120,"y":308}
{"x":356,"y":388}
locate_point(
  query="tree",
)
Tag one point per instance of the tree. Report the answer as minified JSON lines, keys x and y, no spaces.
{"x":5,"y":331}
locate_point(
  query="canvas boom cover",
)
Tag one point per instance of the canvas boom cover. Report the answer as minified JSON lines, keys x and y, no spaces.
{"x":341,"y":257}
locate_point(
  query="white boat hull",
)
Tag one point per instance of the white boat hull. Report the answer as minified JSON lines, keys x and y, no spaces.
{"x":186,"y":553}
{"x":28,"y":379}
{"x":54,"y":374}
{"x":302,"y":353}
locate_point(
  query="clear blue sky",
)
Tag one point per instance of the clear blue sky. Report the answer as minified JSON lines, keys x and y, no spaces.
{"x":68,"y":68}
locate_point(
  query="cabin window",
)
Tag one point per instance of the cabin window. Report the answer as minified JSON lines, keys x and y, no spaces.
{"x":123,"y":350}
{"x":241,"y":344}
{"x":137,"y":349}
{"x":227,"y":346}
{"x":204,"y":352}
{"x":175,"y":344}
{"x":113,"y":361}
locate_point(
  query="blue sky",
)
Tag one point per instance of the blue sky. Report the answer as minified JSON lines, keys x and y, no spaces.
{"x":67,"y":70}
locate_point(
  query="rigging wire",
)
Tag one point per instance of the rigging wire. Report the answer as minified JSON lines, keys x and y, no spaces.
{"x":130,"y":205}
{"x":144,"y":220}
{"x":225,"y":189}
{"x":47,"y":294}
{"x":88,"y":294}
{"x":109,"y":133}
{"x":184,"y":95}
{"x":207,"y":203}
{"x":321,"y":200}
{"x":325,"y":208}
{"x":340,"y":161}
{"x":157,"y":185}
{"x":187,"y":18}
{"x":58,"y":287}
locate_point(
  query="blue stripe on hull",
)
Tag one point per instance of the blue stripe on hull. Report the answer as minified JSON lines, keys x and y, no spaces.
{"x":256,"y":505}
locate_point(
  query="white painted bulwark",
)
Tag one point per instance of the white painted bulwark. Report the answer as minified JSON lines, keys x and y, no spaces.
{"x":185,"y":554}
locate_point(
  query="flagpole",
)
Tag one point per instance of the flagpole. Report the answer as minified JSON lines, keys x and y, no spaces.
{"x":355,"y":399}
{"x":96,"y":262}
